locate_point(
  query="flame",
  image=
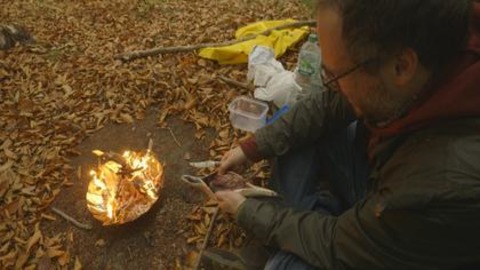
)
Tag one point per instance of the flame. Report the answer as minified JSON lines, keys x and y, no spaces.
{"x":99,"y":182}
{"x":143,"y":172}
{"x":149,"y":188}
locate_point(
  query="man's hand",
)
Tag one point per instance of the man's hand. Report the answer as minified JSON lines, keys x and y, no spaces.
{"x":231,"y":160}
{"x":230,"y":201}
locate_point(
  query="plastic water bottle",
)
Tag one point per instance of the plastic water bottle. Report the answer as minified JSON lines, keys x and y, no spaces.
{"x":308,"y":70}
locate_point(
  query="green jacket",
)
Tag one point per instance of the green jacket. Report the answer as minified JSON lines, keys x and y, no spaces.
{"x":423,"y":211}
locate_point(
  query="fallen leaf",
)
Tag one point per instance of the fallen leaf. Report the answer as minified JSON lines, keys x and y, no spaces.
{"x":191,"y":258}
{"x":64,"y":259}
{"x":193,"y":239}
{"x":9,"y":259}
{"x":55,"y":252}
{"x":100,"y":243}
{"x":34,"y":239}
{"x":78,"y":265}
{"x":98,"y":153}
{"x":21,"y":260}
{"x":127,"y":118}
{"x":7,"y":165}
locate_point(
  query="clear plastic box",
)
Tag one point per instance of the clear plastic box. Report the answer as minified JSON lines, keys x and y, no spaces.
{"x":248,"y":114}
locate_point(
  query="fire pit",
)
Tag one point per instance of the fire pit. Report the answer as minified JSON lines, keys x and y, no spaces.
{"x":125,"y":186}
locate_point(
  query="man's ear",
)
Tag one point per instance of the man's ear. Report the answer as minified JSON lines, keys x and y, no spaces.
{"x":405,"y":66}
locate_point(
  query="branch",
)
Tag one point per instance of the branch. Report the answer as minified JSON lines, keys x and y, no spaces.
{"x":207,"y":237}
{"x":72,"y":220}
{"x":236,"y":83}
{"x":173,"y":136}
{"x":129,"y":56}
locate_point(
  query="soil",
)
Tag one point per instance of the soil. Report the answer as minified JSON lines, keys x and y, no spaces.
{"x":155,"y":240}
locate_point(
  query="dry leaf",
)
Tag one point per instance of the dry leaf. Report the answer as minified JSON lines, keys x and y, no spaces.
{"x":127,"y":118}
{"x":30,"y":267}
{"x":191,"y":259}
{"x":9,"y":259}
{"x":100,"y":243}
{"x":193,"y":239}
{"x":21,"y":260}
{"x":10,"y":154}
{"x":55,"y":252}
{"x":78,"y":265}
{"x":6,"y":166}
{"x":79,"y":172}
{"x":64,"y":259}
{"x":70,"y":236}
{"x":98,"y":153}
{"x":34,"y":239}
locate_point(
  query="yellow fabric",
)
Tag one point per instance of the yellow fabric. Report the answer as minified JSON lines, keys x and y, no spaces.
{"x":279,"y":40}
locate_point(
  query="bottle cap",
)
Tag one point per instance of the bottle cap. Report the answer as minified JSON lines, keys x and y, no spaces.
{"x":313,"y":38}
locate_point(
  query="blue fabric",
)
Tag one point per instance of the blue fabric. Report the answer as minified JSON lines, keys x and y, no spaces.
{"x":341,"y":160}
{"x":284,"y":260}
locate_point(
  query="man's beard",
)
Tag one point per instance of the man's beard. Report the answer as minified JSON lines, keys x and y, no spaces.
{"x":383,"y":105}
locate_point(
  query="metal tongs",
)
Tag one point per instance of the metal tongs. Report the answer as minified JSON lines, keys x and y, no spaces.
{"x":202,"y":183}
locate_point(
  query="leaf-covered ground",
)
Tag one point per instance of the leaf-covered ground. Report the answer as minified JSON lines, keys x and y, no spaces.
{"x":60,"y":94}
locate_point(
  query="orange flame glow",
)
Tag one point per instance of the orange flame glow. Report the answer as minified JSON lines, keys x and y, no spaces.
{"x":117,"y":194}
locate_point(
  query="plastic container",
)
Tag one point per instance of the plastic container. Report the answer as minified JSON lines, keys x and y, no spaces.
{"x":248,"y":114}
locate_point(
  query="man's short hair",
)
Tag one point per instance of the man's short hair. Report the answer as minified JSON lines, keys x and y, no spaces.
{"x":435,"y":29}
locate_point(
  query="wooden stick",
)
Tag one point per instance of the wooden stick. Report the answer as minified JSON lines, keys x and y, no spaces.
{"x":236,"y":83}
{"x":207,"y":237}
{"x":173,"y":136}
{"x":150,"y":145}
{"x":129,"y":56}
{"x":71,"y":219}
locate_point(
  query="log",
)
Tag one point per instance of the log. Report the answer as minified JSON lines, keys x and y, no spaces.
{"x":129,"y":56}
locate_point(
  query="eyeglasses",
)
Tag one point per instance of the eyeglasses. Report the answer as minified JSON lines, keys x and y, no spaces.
{"x":330,"y":80}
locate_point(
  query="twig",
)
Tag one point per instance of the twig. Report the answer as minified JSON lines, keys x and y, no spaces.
{"x":173,"y":136}
{"x":150,"y":145}
{"x":129,"y":56}
{"x":236,"y":83}
{"x":129,"y":253}
{"x":72,"y":220}
{"x":207,"y":237}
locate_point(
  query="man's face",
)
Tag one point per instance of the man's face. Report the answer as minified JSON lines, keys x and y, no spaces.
{"x":374,"y":97}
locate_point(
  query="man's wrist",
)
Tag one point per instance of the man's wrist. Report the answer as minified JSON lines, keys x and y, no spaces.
{"x":250,"y":149}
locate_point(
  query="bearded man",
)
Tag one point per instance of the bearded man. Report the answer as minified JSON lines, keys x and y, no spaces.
{"x":381,"y":169}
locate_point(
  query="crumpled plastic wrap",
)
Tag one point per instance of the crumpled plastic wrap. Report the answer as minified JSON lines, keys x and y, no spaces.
{"x":272,"y":82}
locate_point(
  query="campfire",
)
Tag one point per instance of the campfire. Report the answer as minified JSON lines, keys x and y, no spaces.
{"x":124,"y":186}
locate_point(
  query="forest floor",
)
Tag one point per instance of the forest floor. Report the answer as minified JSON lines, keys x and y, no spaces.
{"x":65,"y":96}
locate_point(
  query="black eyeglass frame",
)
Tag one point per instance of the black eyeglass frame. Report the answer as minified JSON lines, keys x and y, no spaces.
{"x":330,"y":81}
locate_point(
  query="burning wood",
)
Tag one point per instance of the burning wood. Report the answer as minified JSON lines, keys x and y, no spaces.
{"x":124,"y":187}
